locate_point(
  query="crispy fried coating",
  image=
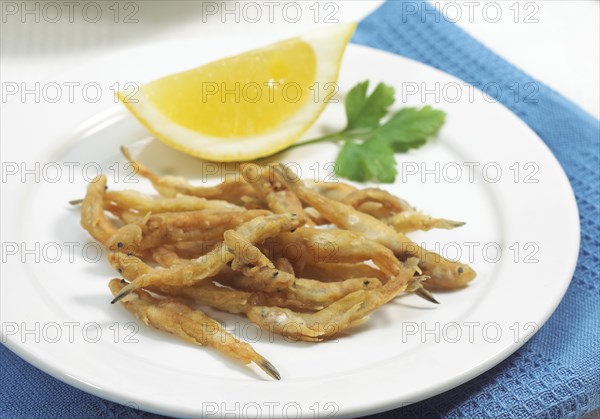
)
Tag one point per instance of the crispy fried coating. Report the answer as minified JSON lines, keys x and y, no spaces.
{"x":313,"y":293}
{"x":192,"y":325}
{"x":445,"y":274}
{"x":384,"y":206}
{"x":191,"y":226}
{"x":277,"y":198}
{"x":184,"y":274}
{"x":242,"y":241}
{"x":139,"y":201}
{"x":349,"y":311}
{"x":408,"y":221}
{"x":93,"y":218}
{"x":307,"y":261}
{"x":339,"y":271}
{"x":171,"y":186}
{"x":335,"y":246}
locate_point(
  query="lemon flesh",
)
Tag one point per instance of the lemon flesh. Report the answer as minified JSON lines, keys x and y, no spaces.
{"x":247,"y":106}
{"x":243,"y":95}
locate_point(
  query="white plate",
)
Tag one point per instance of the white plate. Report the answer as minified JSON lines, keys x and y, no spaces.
{"x":408,"y":351}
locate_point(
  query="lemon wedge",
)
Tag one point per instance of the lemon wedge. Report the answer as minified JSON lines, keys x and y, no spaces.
{"x":247,"y":106}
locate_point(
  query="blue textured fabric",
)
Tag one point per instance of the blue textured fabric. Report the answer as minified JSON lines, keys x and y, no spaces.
{"x":557,"y":373}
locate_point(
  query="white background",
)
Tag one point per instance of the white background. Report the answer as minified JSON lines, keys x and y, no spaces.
{"x":555,"y":41}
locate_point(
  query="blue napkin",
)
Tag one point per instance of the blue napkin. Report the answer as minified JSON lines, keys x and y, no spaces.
{"x":557,"y":373}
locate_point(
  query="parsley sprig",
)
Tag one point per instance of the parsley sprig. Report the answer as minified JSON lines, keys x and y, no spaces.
{"x":370,"y":140}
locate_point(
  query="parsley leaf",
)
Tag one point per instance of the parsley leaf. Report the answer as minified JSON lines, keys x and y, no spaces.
{"x":371,"y":160}
{"x":365,"y":111}
{"x":370,"y":140}
{"x":410,"y":127}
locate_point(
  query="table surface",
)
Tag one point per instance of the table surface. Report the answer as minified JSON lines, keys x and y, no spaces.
{"x":557,"y":42}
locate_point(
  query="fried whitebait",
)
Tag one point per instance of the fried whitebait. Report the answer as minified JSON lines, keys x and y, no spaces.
{"x":444,"y":273}
{"x":171,"y":186}
{"x":132,"y":199}
{"x":347,"y":312}
{"x":192,"y":325}
{"x":278,"y":199}
{"x":93,"y":218}
{"x":186,"y":274}
{"x":306,"y":262}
